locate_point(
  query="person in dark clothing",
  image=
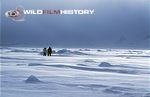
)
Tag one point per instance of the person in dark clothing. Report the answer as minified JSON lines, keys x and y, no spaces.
{"x":44,"y":52}
{"x":49,"y":51}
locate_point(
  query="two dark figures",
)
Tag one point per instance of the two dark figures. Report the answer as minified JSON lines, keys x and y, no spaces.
{"x":47,"y":51}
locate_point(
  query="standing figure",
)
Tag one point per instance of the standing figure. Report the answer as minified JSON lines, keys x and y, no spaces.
{"x":49,"y":51}
{"x":44,"y":52}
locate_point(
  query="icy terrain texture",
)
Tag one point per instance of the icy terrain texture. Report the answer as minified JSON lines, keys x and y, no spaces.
{"x":74,"y":73}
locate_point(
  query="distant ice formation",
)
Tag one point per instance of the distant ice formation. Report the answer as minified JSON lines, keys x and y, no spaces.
{"x":65,"y":51}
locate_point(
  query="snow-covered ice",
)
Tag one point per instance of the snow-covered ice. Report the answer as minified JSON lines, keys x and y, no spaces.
{"x":73,"y":72}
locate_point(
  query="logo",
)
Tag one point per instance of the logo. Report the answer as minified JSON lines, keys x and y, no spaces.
{"x":16,"y":15}
{"x":19,"y":13}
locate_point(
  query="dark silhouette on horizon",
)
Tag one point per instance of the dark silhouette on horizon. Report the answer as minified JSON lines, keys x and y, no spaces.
{"x":49,"y":51}
{"x":44,"y":52}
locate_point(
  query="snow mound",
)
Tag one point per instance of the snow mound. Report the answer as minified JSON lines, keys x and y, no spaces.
{"x":32,"y":79}
{"x":105,"y":64}
{"x":99,"y":50}
{"x":65,"y":51}
{"x":84,"y":50}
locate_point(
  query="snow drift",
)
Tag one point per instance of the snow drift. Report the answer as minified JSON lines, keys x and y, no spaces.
{"x":32,"y":79}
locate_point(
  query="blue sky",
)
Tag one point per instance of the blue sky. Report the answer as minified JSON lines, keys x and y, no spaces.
{"x":115,"y":24}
